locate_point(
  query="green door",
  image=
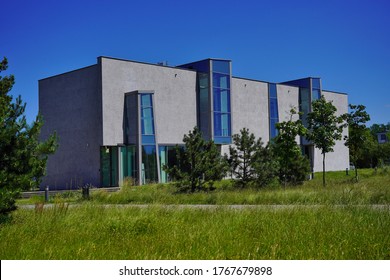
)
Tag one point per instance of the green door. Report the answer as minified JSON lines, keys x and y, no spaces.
{"x":109,"y":166}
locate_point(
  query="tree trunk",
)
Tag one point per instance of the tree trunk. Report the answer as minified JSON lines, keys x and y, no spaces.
{"x":323,"y":169}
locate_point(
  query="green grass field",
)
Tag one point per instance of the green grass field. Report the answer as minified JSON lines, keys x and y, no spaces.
{"x":336,"y":222}
{"x":340,"y":190}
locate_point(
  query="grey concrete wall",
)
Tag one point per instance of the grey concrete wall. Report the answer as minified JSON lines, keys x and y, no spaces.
{"x":174,"y":96}
{"x":249,"y":105}
{"x":71,"y":105}
{"x":288,"y":98}
{"x":339,"y":158}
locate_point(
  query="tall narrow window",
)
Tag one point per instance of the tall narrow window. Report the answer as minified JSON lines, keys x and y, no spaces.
{"x":148,"y":147}
{"x":315,"y":89}
{"x":214,"y":110}
{"x":273,"y":110}
{"x":147,"y":120}
{"x":221,"y":101}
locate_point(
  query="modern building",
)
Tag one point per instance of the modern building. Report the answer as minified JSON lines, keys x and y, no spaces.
{"x":382,"y":137}
{"x":120,"y":118}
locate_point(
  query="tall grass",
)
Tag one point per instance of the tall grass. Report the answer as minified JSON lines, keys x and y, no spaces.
{"x":340,"y":190}
{"x":90,"y":231}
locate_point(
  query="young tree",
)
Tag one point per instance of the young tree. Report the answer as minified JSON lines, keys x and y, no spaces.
{"x":324,"y":128}
{"x":199,"y":164}
{"x":22,"y":157}
{"x":358,"y":136}
{"x":293,"y":166}
{"x":250,"y":161}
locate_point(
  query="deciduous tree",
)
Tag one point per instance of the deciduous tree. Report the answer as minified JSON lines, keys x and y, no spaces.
{"x":357,"y":133}
{"x":293,"y":166}
{"x":324,"y":128}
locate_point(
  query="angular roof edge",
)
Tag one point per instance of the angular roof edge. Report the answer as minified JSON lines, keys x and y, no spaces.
{"x":68,"y":72}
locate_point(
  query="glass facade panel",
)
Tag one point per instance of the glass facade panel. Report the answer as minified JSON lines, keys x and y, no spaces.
{"x":147,"y":121}
{"x":147,"y":114}
{"x":204,"y":104}
{"x":221,"y":66}
{"x":109,"y":166}
{"x":149,"y":164}
{"x":147,"y":126}
{"x":274,"y":114}
{"x":221,"y":80}
{"x":222,"y":140}
{"x":168,"y":158}
{"x":304,"y":105}
{"x":146,"y":100}
{"x":221,"y":100}
{"x":105,"y":166}
{"x":222,"y":124}
{"x":129,"y":162}
{"x":316,"y":83}
{"x":148,"y":139}
{"x":203,"y":80}
{"x":273,"y":110}
{"x":272,"y":91}
{"x":114,"y":166}
{"x":316,"y":94}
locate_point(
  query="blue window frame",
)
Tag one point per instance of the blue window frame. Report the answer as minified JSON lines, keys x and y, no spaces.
{"x":273,"y":110}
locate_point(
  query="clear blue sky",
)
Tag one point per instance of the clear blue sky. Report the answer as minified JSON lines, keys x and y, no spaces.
{"x":346,"y":43}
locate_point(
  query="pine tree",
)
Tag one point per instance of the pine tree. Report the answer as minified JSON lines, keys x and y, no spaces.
{"x":250,"y":162}
{"x":199,"y":164}
{"x":22,"y":156}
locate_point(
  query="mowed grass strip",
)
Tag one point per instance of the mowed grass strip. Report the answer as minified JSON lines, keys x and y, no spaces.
{"x":91,"y":231}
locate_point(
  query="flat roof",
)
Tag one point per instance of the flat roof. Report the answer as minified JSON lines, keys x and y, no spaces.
{"x":178,"y":67}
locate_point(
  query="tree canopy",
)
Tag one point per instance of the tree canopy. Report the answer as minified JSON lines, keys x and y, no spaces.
{"x":357,"y":133}
{"x":293,"y":166}
{"x":199,"y":164}
{"x":251,"y":163}
{"x":324,"y":128}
